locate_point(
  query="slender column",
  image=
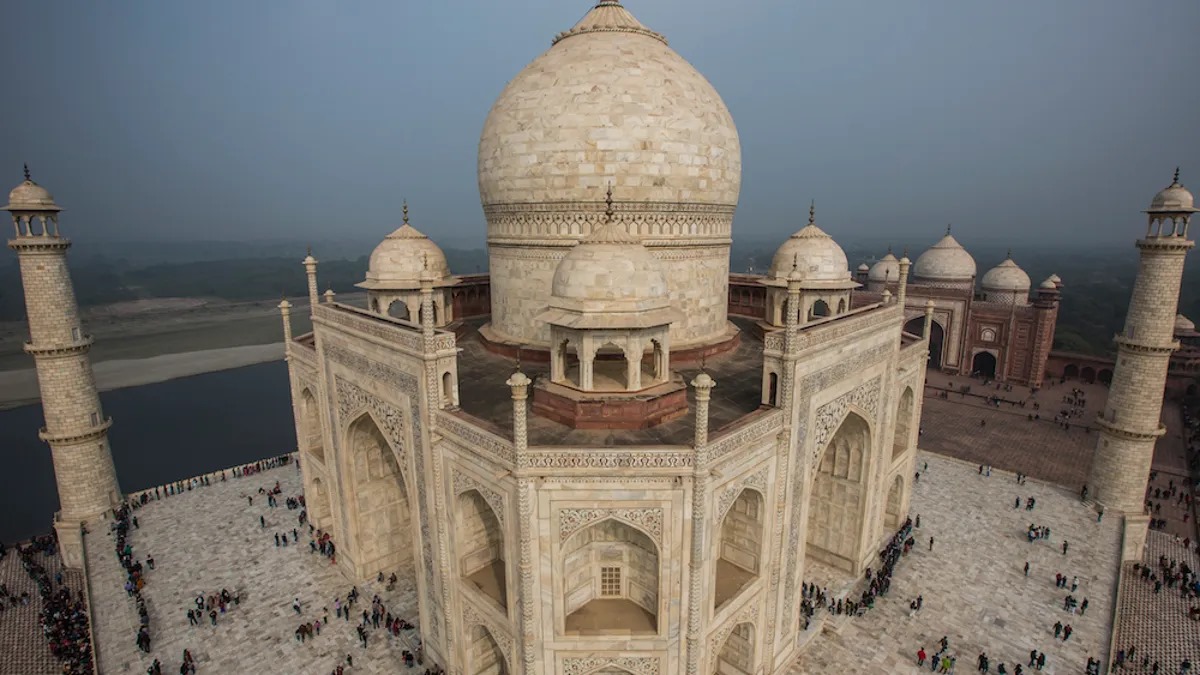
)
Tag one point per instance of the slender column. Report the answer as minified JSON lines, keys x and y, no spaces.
{"x":310,"y":270}
{"x":519,"y":384}
{"x":285,"y":311}
{"x":329,"y":295}
{"x":1130,"y":423}
{"x":76,"y":428}
{"x":902,"y":291}
{"x":703,"y":385}
{"x":791,"y":335}
{"x":929,"y":306}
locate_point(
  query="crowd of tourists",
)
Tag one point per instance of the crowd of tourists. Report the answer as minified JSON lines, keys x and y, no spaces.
{"x":64,"y":616}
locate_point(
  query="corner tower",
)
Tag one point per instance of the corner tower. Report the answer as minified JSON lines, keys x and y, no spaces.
{"x":76,"y":428}
{"x":1130,"y":423}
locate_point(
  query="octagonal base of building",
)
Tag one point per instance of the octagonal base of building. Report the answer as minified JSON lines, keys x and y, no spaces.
{"x":588,"y":410}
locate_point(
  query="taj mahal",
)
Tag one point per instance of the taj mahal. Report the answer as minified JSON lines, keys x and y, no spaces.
{"x":608,"y":455}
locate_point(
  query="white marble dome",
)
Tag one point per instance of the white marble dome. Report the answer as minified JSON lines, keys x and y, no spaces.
{"x":403,"y":257}
{"x":1183,"y":324}
{"x":1174,"y":197}
{"x":609,"y":101}
{"x":1007,"y":276}
{"x":885,"y":269}
{"x":946,"y":260}
{"x":602,"y":270}
{"x":813,"y":254}
{"x":29,"y":196}
{"x":1048,"y":285}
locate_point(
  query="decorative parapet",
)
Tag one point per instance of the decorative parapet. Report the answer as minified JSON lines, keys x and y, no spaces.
{"x":741,"y":436}
{"x":385,"y":328}
{"x":496,"y":447}
{"x":836,"y":328}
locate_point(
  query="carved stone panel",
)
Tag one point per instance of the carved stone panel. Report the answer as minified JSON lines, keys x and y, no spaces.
{"x":638,"y":665}
{"x":649,"y":520}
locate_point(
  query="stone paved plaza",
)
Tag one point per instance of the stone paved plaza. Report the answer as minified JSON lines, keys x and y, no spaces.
{"x":1010,"y":440}
{"x":1157,"y":624}
{"x":973,"y":584}
{"x":209,"y":539}
{"x":24,"y":650}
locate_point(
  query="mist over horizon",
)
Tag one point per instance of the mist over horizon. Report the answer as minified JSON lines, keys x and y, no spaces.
{"x":1020,"y":123}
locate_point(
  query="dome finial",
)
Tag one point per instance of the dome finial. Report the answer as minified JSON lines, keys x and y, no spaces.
{"x":309,"y":253}
{"x":947,"y":229}
{"x":31,"y":180}
{"x":1176,"y":181}
{"x":889,"y":248}
{"x":1008,"y":254}
{"x":904,"y":252}
{"x":405,"y":210}
{"x":608,"y":203}
{"x":812,"y":212}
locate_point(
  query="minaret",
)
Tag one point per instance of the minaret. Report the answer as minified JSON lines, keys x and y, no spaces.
{"x":76,"y":428}
{"x":1130,"y":423}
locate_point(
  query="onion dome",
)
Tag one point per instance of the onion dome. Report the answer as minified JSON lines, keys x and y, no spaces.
{"x":864,"y":267}
{"x":815,"y":255}
{"x":1183,"y":324}
{"x":609,"y":97}
{"x":1048,"y":285}
{"x":29,"y":196}
{"x":1055,"y":279}
{"x":886,"y":268}
{"x":609,"y":280}
{"x":402,"y":258}
{"x":946,"y":260}
{"x":1173,"y":198}
{"x":1007,"y":276}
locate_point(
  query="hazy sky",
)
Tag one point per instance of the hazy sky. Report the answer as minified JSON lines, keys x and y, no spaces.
{"x":312,"y":119}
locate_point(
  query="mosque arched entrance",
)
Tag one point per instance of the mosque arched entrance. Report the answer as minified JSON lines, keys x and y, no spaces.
{"x":382,"y":522}
{"x":892,"y":517}
{"x":837,"y":499}
{"x":904,"y":415}
{"x":984,"y":364}
{"x":1088,"y":374}
{"x":916,"y":326}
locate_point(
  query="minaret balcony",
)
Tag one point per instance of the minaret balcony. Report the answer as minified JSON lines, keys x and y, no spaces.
{"x":1145,"y":347}
{"x":91,"y":433}
{"x":39,"y":243}
{"x":1111,"y":427}
{"x":60,"y":348}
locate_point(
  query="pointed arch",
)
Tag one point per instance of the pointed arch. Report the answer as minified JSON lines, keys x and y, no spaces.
{"x":837,"y":496}
{"x":739,"y":546}
{"x":382,"y":527}
{"x":902,"y":437}
{"x":611,"y":579}
{"x":313,"y":442}
{"x":320,"y":510}
{"x":893,"y":513}
{"x":737,"y":655}
{"x":481,"y":546}
{"x":397,"y":308}
{"x":819,"y":309}
{"x":485,"y":656}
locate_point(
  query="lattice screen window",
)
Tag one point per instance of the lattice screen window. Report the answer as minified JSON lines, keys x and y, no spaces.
{"x":610,"y":581}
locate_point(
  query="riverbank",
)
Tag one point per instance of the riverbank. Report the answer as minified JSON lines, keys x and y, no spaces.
{"x":155,"y":340}
{"x":20,"y":387}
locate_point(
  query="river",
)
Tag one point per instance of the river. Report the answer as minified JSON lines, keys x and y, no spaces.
{"x":161,"y":432}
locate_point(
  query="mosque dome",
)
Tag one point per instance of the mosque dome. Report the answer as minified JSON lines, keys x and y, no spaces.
{"x":864,"y":267}
{"x":946,"y":260}
{"x":1007,"y":276}
{"x":29,"y":196}
{"x":885,"y":269}
{"x":1183,"y":324}
{"x":1174,"y":197}
{"x":609,"y":101}
{"x":814,"y":254}
{"x":1048,"y":285}
{"x":400,"y":260}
